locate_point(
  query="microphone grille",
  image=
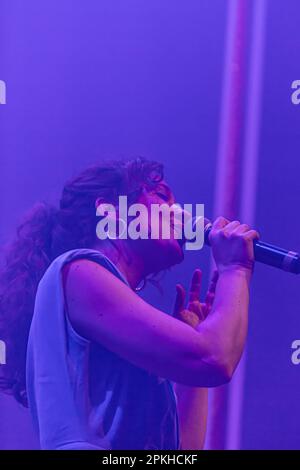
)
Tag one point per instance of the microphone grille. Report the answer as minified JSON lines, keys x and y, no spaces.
{"x":207,"y":226}
{"x":197,"y":220}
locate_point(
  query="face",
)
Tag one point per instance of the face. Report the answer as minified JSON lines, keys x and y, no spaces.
{"x":163,"y":252}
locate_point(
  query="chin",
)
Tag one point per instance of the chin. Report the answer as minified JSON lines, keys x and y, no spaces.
{"x":179,"y":252}
{"x":162,"y":254}
{"x":172,"y":253}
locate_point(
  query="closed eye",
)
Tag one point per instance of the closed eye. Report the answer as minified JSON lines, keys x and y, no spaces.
{"x":163,"y":196}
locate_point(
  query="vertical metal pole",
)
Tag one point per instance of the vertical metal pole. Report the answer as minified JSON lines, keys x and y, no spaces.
{"x":248,"y":193}
{"x":228,"y":166}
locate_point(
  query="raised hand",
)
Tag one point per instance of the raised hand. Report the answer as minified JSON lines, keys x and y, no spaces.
{"x":195,"y":311}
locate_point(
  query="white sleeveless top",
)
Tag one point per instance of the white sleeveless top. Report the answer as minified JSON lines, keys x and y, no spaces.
{"x":83,"y":396}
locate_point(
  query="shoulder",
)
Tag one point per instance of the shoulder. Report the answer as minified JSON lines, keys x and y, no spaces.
{"x":92,"y":293}
{"x":83,"y":273}
{"x":78,"y":272}
{"x":90,"y":284}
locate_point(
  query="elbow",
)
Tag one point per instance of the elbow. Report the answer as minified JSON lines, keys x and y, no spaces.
{"x":225,"y":372}
{"x":219,"y":373}
{"x":223,"y":363}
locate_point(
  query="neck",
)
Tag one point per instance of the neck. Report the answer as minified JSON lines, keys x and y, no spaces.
{"x":127,"y":262}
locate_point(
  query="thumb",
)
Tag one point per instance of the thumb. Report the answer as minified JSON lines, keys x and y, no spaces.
{"x":179,"y":300}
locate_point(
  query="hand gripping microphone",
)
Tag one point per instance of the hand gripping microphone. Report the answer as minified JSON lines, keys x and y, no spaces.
{"x":264,"y":252}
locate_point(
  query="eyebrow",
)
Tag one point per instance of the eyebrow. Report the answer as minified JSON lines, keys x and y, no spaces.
{"x":167,"y":189}
{"x":164,"y":186}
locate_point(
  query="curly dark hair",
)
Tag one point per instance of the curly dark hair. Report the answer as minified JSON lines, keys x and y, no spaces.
{"x":45,"y":233}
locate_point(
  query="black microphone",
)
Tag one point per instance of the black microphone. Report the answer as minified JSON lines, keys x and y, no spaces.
{"x":263,"y":252}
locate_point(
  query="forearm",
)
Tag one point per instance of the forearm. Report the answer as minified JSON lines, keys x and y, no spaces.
{"x":225,"y":329}
{"x":192,"y":406}
{"x":226,"y":326}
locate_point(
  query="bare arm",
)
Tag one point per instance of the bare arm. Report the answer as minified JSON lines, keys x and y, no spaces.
{"x":226,"y":325}
{"x":193,"y":401}
{"x":232,"y":245}
{"x":103,"y":309}
{"x":192,"y":408}
{"x":233,"y":295}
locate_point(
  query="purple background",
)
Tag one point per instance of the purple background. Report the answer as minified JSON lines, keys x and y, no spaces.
{"x":87,"y":80}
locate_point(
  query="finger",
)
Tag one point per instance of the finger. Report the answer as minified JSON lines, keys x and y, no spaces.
{"x":210,"y":295}
{"x":214,"y":277}
{"x":213,"y":281}
{"x":232,"y":226}
{"x":195,"y":288}
{"x":252,"y":234}
{"x":242,"y":228}
{"x":220,"y":222}
{"x":209,"y":298}
{"x":179,"y":300}
{"x":205,"y":308}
